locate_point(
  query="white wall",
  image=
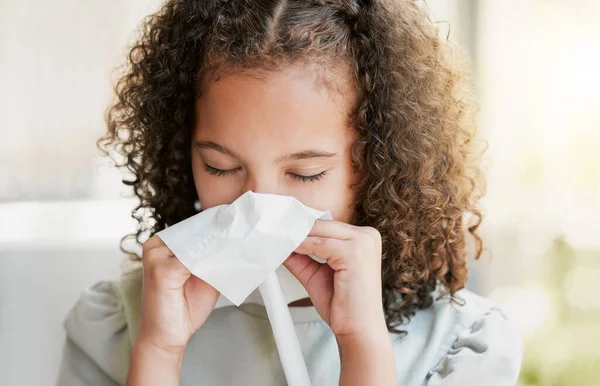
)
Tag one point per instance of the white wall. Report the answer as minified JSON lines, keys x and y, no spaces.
{"x":38,"y":286}
{"x":50,"y":252}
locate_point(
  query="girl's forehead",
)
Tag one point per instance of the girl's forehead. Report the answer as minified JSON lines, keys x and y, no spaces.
{"x":284,"y":108}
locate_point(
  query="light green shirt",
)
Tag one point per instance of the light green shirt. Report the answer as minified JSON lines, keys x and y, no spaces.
{"x":446,"y":344}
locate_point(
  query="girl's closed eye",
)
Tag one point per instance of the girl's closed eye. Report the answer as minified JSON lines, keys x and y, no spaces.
{"x":220,"y":172}
{"x":309,"y":178}
{"x":297,"y":176}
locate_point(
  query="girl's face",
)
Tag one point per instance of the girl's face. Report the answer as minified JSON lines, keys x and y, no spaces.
{"x":285,"y":133}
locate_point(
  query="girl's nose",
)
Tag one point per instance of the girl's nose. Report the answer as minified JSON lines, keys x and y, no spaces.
{"x":262,"y":184}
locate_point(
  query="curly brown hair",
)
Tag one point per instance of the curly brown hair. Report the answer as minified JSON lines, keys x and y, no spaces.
{"x":420,"y":173}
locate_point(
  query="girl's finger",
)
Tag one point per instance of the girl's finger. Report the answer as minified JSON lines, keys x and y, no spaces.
{"x":152,"y":242}
{"x":158,"y":254}
{"x":161,"y":266}
{"x":201,"y":296}
{"x":302,"y":267}
{"x":317,"y":278}
{"x":325,"y":248}
{"x":173,"y":264}
{"x":332,"y":229}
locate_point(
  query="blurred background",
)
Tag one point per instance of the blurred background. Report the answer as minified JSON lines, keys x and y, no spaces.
{"x":536,"y":66}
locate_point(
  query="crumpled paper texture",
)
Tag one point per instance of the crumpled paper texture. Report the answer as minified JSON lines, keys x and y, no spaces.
{"x":235,"y":247}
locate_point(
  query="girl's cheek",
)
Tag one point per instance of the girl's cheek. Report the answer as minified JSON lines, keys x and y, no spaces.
{"x":214,"y":190}
{"x":332,"y":194}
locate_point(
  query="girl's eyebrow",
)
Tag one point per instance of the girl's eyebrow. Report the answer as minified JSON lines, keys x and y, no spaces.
{"x":306,"y":154}
{"x":214,"y":146}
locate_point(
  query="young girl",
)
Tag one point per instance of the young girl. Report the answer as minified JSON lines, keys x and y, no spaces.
{"x":353,"y":107}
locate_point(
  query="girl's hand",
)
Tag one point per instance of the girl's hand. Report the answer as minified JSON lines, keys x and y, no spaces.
{"x":347,"y":294}
{"x":346,"y":291}
{"x":174,"y":302}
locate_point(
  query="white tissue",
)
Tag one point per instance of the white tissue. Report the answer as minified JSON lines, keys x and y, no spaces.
{"x":235,"y":247}
{"x":290,"y":286}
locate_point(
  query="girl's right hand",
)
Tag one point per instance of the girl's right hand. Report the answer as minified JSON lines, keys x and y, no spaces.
{"x":175,"y":303}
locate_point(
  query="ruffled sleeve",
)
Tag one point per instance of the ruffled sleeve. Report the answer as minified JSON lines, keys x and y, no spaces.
{"x":96,"y":351}
{"x":489,"y":352}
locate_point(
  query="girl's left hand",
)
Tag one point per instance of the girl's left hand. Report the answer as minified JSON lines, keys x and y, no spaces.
{"x":346,"y":291}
